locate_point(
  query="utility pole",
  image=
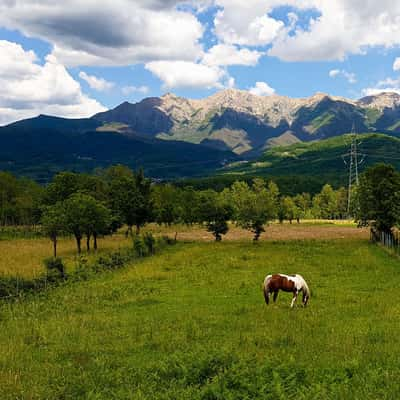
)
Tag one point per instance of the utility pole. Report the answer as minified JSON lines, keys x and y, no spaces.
{"x":355,"y":158}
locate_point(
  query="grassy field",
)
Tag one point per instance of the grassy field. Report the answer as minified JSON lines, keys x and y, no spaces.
{"x":24,"y":257}
{"x":191,"y":323}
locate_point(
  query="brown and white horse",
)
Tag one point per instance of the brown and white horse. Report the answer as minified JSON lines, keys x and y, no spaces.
{"x":288,"y":283}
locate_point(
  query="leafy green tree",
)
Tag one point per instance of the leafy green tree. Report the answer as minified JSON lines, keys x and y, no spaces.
{"x":166,"y":204}
{"x":341,"y":202}
{"x":324,"y":203}
{"x":84,"y":215}
{"x":378,"y":197}
{"x":303,"y":204}
{"x":189,"y":206}
{"x":290,"y":209}
{"x":130,"y":199}
{"x":215,"y":212}
{"x":143,"y":204}
{"x":253,"y":207}
{"x":19,"y":200}
{"x":54,"y":223}
{"x":66,"y":184}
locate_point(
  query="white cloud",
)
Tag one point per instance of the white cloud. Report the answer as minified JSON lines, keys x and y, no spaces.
{"x":388,"y":85}
{"x":349,"y":76}
{"x":224,"y":55}
{"x":344,"y":27}
{"x":396,"y":64}
{"x":262,"y":89}
{"x":119,"y":32}
{"x":184,"y":74}
{"x":29,"y":89}
{"x":246,"y":22}
{"x":96,"y":83}
{"x":375,"y":91}
{"x":127,"y":90}
{"x":334,"y":73}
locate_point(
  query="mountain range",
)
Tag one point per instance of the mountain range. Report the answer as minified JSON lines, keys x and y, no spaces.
{"x":246,"y":124}
{"x":172,"y":137}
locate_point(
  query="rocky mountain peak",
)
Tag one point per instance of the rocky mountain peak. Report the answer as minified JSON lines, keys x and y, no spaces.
{"x":381,"y":101}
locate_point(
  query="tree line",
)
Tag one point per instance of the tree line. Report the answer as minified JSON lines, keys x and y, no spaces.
{"x":89,"y":206}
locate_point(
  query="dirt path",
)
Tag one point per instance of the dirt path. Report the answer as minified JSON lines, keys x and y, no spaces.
{"x":279,"y":232}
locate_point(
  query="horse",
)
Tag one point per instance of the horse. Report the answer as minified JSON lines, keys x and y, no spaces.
{"x":287,"y":283}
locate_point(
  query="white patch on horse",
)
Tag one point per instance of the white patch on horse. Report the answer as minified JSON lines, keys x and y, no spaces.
{"x":296,"y":279}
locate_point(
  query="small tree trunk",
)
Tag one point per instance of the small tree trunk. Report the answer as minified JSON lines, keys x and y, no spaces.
{"x":176,"y":236}
{"x":95,"y":241}
{"x":218,"y":237}
{"x":88,"y":242}
{"x":290,"y":221}
{"x":78,"y":243}
{"x":55,"y":246}
{"x":137,"y":229}
{"x":298,"y":220}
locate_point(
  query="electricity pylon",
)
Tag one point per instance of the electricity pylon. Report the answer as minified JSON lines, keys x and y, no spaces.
{"x":355,"y":158}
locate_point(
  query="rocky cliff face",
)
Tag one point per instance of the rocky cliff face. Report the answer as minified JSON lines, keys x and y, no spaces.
{"x":243,"y":122}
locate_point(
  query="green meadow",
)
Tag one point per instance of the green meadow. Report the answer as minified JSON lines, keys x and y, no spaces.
{"x":191,"y":323}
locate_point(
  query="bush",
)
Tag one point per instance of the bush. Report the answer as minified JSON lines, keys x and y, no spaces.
{"x":139,"y":246}
{"x":149,"y":242}
{"x":55,"y":269}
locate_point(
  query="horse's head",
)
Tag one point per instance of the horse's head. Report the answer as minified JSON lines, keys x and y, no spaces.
{"x":306,"y":297}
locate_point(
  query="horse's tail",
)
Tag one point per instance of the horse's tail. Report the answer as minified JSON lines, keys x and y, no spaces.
{"x":265,"y":288}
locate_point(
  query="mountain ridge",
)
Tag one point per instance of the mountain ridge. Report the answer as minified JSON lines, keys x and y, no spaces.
{"x":245,"y":122}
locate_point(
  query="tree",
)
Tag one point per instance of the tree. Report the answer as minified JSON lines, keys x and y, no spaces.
{"x":54,"y":223}
{"x":66,"y":184}
{"x":324,"y":203}
{"x":166,"y":204}
{"x":253,"y":207}
{"x":290,"y":210}
{"x":215,"y":212}
{"x":189,"y":206}
{"x":143,"y":204}
{"x":84,"y":215}
{"x":303,"y":202}
{"x":129,"y":197}
{"x":341,"y":202}
{"x":378,"y":198}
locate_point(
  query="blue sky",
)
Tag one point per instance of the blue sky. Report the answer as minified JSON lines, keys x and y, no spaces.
{"x":56,"y":60}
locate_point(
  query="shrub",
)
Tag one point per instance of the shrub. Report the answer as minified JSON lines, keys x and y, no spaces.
{"x":55,"y":268}
{"x":139,"y":246}
{"x":149,"y":242}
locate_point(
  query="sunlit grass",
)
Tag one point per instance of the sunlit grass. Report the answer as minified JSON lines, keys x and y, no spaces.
{"x":191,"y":323}
{"x":24,"y":257}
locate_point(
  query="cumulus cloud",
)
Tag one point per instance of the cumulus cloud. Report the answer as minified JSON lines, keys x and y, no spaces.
{"x":119,"y":32}
{"x":224,"y":55}
{"x":262,"y":89}
{"x":246,"y":22}
{"x":29,"y":88}
{"x":96,"y":83}
{"x":349,"y":76}
{"x":343,"y":27}
{"x":184,"y":74}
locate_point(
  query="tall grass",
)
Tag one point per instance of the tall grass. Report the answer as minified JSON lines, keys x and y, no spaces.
{"x":191,"y":324}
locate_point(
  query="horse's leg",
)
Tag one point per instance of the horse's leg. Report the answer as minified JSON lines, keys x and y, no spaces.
{"x":267,"y":294}
{"x":275,"y":295}
{"x":295,"y":293}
